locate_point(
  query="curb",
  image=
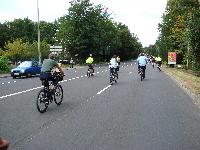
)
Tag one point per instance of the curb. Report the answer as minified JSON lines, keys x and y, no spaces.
{"x":4,"y":75}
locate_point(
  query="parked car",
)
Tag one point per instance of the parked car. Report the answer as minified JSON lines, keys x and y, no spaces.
{"x":26,"y":68}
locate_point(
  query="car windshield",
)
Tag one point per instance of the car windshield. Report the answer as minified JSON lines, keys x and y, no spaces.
{"x":25,"y":64}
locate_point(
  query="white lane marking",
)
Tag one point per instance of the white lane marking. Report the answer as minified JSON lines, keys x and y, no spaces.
{"x":106,"y":70}
{"x":131,"y":64}
{"x":75,"y":71}
{"x":97,"y":72}
{"x":122,"y":66}
{"x":86,"y":75}
{"x":9,"y":95}
{"x":130,"y":72}
{"x":99,"y":67}
{"x":15,"y":81}
{"x":8,"y":82}
{"x":103,"y":89}
{"x":135,"y":63}
{"x":102,"y":71}
{"x":127,"y":65}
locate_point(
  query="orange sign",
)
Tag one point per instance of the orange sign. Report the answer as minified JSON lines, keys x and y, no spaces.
{"x":171,"y":57}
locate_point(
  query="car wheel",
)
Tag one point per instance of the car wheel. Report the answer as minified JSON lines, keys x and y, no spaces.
{"x":28,"y":75}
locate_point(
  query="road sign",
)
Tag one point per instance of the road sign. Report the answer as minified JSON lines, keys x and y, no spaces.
{"x":56,"y":48}
{"x":171,"y":58}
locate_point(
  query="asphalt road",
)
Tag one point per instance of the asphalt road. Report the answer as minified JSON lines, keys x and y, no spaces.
{"x":155,"y":114}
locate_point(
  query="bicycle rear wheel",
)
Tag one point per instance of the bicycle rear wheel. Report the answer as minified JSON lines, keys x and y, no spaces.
{"x":141,"y":74}
{"x":58,"y":95}
{"x":41,"y":101}
{"x":88,"y":73}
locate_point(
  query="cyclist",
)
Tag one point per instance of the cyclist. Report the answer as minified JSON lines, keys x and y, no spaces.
{"x":118,"y":61}
{"x":113,"y":66}
{"x":47,"y":66}
{"x":153,"y":61}
{"x":90,"y":61}
{"x":159,"y":62}
{"x":142,"y":61}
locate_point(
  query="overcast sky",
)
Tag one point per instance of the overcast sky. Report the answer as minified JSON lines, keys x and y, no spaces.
{"x":141,"y":16}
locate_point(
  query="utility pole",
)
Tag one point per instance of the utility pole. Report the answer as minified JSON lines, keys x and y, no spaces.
{"x":39,"y":52}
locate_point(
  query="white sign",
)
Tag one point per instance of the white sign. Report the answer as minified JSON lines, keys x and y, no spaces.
{"x":56,"y":48}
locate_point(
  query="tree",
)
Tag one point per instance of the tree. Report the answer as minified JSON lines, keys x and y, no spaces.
{"x":15,"y":51}
{"x":5,"y":34}
{"x":88,"y":28}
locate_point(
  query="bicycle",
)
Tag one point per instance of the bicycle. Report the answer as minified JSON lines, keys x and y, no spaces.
{"x":90,"y":72}
{"x":113,"y":75}
{"x":141,"y":73}
{"x":52,"y":91}
{"x":159,"y":67}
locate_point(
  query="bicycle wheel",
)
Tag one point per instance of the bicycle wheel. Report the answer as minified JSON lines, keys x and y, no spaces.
{"x":88,"y":73}
{"x":58,"y":95}
{"x":141,"y":74}
{"x":40,"y":102}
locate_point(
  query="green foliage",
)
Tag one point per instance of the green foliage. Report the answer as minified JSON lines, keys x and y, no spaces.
{"x":86,"y":28}
{"x":180,"y":32}
{"x":4,"y":64}
{"x":16,"y":50}
{"x":89,"y":29}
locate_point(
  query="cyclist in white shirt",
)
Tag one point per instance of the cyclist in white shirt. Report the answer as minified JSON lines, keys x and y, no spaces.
{"x":113,"y":65}
{"x":142,"y":61}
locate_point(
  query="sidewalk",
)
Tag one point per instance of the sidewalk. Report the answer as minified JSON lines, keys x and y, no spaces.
{"x":4,"y":75}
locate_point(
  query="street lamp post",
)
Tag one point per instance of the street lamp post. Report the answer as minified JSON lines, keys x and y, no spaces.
{"x":39,"y":53}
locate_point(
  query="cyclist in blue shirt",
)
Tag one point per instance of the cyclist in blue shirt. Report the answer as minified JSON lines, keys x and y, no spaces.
{"x":142,"y":61}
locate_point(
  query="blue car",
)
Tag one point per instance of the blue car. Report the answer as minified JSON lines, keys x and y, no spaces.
{"x":26,"y":68}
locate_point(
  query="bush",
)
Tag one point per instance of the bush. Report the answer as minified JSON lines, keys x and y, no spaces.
{"x":4,"y":64}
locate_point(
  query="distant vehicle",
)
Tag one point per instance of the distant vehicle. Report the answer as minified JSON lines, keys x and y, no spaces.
{"x":26,"y":68}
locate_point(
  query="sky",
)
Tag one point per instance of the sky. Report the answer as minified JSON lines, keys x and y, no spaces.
{"x":141,"y":16}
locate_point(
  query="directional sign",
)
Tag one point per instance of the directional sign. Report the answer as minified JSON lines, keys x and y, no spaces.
{"x":56,"y":48}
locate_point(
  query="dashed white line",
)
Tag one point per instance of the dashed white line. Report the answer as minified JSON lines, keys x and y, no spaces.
{"x":2,"y":83}
{"x":103,"y":89}
{"x":9,"y":95}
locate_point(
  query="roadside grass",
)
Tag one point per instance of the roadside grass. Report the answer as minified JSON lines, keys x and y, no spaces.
{"x":188,"y":80}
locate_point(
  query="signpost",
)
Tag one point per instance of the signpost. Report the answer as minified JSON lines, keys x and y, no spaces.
{"x":171,"y":58}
